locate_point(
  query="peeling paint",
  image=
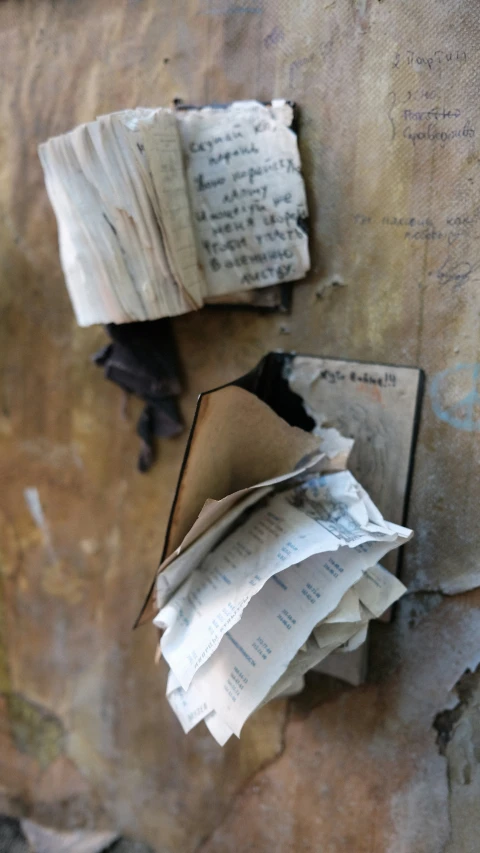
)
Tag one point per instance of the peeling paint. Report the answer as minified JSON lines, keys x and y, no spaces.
{"x":458,"y":740}
{"x":446,"y":720}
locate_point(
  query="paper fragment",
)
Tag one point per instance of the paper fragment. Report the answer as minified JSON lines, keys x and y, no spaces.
{"x":247,"y":194}
{"x":295,"y":580}
{"x":45,"y":840}
{"x":321,"y":514}
{"x":159,"y":210}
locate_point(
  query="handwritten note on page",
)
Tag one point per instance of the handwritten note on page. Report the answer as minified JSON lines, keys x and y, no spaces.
{"x":247,"y":194}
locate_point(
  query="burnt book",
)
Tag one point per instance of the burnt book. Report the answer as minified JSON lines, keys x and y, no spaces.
{"x":271,"y":559}
{"x":160,"y":211}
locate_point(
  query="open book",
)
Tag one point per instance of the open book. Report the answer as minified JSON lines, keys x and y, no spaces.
{"x":272,"y":578}
{"x":160,"y":210}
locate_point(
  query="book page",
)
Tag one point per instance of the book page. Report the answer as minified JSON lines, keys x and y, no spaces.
{"x":247,"y":194}
{"x":178,"y":570}
{"x":367,"y":599}
{"x":212,"y":524}
{"x":295,"y":581}
{"x":278,"y":620}
{"x":324,"y":514}
{"x":342,"y":630}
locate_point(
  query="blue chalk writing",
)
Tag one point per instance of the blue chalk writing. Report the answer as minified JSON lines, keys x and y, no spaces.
{"x":233,"y":10}
{"x":463,"y":413}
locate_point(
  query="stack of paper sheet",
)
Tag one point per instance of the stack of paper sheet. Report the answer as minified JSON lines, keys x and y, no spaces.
{"x":290,"y":574}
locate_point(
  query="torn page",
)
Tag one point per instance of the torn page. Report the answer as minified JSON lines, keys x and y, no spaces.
{"x":247,"y":194}
{"x":378,"y":590}
{"x":336,"y":447}
{"x":355,"y":641}
{"x":322,"y":514}
{"x":305,"y":660}
{"x":345,"y":628}
{"x":289,"y":580}
{"x":190,"y":707}
{"x":173,"y":575}
{"x":212,"y":524}
{"x":218,"y":728}
{"x":349,"y":609}
{"x":278,"y":620}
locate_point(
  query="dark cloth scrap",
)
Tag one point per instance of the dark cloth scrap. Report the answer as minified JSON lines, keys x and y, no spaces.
{"x":142,"y":359}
